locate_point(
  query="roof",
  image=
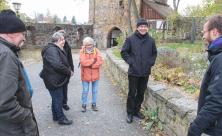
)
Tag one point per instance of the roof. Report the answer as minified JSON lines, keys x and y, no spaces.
{"x":161,"y":8}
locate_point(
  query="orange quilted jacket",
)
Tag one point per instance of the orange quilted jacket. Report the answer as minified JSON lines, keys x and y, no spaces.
{"x":90,"y":70}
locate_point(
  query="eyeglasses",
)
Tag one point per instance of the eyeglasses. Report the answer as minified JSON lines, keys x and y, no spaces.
{"x":89,"y":45}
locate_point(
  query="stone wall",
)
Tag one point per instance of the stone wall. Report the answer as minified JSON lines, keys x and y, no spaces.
{"x":107,"y":14}
{"x":176,"y":110}
{"x":39,"y":34}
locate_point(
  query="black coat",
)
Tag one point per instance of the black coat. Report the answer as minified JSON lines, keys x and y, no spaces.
{"x":139,"y":51}
{"x":56,"y":69}
{"x":16,"y":112}
{"x":68,"y":51}
{"x":209,"y":116}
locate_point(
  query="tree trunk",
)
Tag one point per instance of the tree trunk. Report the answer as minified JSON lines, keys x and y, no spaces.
{"x":130,"y":29}
{"x":135,"y":10}
{"x":176,"y":5}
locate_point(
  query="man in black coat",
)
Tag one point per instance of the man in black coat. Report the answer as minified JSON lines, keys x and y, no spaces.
{"x":16,"y":112}
{"x":139,"y":51}
{"x":68,"y":52}
{"x":209,"y":114}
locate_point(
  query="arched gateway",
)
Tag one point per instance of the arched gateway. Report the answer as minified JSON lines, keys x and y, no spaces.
{"x":113,"y":34}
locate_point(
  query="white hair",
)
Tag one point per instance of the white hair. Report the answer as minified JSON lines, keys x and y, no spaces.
{"x":88,"y":40}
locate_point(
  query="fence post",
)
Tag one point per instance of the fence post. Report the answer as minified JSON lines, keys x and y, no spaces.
{"x":193,"y":30}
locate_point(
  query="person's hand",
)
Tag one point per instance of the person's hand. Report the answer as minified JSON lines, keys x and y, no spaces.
{"x":95,"y":59}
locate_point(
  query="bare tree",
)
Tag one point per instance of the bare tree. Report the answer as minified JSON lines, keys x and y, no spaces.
{"x":132,"y":5}
{"x":130,"y":29}
{"x":176,"y":5}
{"x":135,"y":10}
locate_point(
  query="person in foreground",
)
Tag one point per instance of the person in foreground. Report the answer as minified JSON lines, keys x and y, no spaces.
{"x":209,"y":114}
{"x":55,"y":74}
{"x":139,"y":51}
{"x":68,"y":52}
{"x":91,"y":61}
{"x":16,"y":112}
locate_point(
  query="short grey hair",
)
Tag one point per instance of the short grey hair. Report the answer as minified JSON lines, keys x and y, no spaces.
{"x":88,"y":40}
{"x":56,"y":36}
{"x":62,"y":32}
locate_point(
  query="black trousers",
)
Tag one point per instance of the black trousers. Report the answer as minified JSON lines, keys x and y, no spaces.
{"x":137,"y":87}
{"x":65,"y":94}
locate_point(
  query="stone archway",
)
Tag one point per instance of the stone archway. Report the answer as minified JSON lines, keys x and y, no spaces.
{"x":112,"y":36}
{"x":80,"y":35}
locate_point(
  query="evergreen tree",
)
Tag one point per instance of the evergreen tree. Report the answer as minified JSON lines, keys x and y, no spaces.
{"x":74,"y":20}
{"x":64,"y":19}
{"x":56,"y":19}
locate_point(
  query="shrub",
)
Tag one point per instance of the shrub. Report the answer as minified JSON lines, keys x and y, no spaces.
{"x":175,"y":76}
{"x":116,"y":50}
{"x":168,"y":57}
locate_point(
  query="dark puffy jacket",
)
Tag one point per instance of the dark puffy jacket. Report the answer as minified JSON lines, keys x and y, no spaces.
{"x":16,"y":113}
{"x":209,"y":116}
{"x":139,"y":51}
{"x":56,"y":70}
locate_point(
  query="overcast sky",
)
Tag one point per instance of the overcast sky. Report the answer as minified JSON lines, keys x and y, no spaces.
{"x":185,"y":3}
{"x":69,"y":8}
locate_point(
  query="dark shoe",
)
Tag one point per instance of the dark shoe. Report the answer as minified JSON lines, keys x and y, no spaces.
{"x":65,"y":121}
{"x":139,"y":115}
{"x":94,"y":108}
{"x":83,"y":108}
{"x":129,"y":118}
{"x":55,"y":119}
{"x":65,"y":107}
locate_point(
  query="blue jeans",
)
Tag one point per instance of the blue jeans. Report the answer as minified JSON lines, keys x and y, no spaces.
{"x":85,"y":91}
{"x":57,"y":102}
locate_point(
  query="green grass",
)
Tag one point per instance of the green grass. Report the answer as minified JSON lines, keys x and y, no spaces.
{"x":183,"y":48}
{"x":116,"y":52}
{"x":187,"y":47}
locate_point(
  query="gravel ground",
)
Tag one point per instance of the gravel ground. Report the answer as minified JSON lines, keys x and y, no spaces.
{"x":110,"y":120}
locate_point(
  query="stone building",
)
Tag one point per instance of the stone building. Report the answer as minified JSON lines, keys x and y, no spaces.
{"x":110,"y":18}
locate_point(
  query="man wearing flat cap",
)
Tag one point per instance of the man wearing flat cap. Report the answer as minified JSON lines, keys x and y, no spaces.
{"x":139,"y":51}
{"x":16,"y":112}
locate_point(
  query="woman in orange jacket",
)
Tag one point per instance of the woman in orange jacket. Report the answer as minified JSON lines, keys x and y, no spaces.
{"x":91,"y":61}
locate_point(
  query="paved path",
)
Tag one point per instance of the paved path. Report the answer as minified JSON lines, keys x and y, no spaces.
{"x":108,"y":121}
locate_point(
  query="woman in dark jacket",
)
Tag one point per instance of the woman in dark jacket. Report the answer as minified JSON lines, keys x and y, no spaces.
{"x":56,"y":73}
